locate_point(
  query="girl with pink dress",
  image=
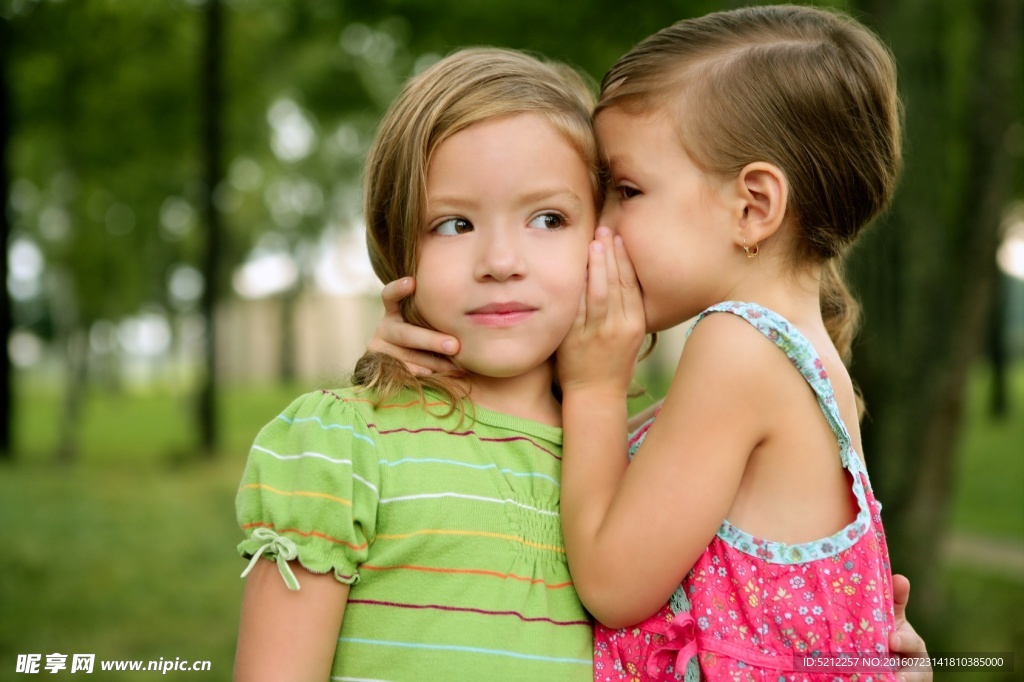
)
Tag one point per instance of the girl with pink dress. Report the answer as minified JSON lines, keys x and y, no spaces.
{"x":745,"y":151}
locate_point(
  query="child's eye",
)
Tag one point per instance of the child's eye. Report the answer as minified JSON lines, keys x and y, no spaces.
{"x":626,"y":192}
{"x":548,"y":221}
{"x":453,"y":226}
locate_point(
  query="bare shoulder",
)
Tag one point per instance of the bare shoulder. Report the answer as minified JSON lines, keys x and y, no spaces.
{"x":725,"y":345}
{"x":728,"y":370}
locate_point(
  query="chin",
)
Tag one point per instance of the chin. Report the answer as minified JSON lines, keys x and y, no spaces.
{"x":654,"y":324}
{"x":494,"y":370}
{"x":499,"y":367}
{"x":663,"y":320}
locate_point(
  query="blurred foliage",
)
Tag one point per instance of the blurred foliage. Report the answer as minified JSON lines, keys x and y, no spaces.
{"x":105,"y":102}
{"x":100,"y":142}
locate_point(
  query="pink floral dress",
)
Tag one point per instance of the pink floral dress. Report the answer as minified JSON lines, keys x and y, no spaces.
{"x":753,"y":609}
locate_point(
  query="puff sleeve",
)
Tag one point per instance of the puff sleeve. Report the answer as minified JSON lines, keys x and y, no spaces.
{"x":310,"y":490}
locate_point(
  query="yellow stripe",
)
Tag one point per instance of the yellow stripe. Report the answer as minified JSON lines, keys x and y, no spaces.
{"x":303,"y":493}
{"x":472,"y":532}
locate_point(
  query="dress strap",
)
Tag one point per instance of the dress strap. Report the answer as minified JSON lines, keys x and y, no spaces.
{"x":803,"y":356}
{"x":801,"y":353}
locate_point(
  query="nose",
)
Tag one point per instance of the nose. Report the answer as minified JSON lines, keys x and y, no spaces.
{"x":500,"y":255}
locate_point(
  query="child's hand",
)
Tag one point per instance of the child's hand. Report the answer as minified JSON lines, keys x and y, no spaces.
{"x":419,"y":348}
{"x":903,"y":639}
{"x":600,"y":350}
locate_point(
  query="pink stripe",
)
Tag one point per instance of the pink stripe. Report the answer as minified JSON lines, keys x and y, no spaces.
{"x":333,"y":395}
{"x":465,"y":433}
{"x":512,"y":438}
{"x":373,"y":602}
{"x":425,"y":428}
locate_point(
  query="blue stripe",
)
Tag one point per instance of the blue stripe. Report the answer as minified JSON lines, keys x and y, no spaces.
{"x":470,"y":649}
{"x":531,"y":474}
{"x":345,"y":427}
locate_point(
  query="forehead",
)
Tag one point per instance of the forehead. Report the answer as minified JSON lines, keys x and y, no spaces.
{"x":513,"y":156}
{"x":503,"y":135}
{"x":505,"y":138}
{"x":525,"y":148}
{"x":623,"y":135}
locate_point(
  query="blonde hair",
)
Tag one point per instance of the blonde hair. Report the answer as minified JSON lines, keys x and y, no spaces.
{"x":468,"y":87}
{"x":808,"y":90}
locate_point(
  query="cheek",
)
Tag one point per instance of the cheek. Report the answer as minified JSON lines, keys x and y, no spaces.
{"x":434,"y":293}
{"x":567,"y":286}
{"x":572,"y":291}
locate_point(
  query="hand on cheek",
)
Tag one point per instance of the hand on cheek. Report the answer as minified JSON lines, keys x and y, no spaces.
{"x":601,"y":349}
{"x":420,"y":349}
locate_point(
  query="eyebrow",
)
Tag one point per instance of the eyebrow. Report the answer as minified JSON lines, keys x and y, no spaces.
{"x":451,"y":202}
{"x":537,"y":196}
{"x":548,"y":194}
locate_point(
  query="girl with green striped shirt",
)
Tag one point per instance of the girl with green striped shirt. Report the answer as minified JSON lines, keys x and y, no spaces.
{"x":408,"y":528}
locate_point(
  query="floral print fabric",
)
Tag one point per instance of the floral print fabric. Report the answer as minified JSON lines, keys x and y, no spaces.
{"x":752,"y":609}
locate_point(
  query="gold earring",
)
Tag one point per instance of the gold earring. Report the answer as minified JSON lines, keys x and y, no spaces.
{"x":751,"y":251}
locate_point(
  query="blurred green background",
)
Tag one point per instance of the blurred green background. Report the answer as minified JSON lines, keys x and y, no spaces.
{"x":181,"y":190}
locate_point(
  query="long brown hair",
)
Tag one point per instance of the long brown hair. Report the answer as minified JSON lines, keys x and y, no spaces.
{"x":468,"y":87}
{"x":808,"y":90}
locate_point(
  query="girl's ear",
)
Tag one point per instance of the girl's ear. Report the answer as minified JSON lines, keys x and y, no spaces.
{"x":763,"y":192}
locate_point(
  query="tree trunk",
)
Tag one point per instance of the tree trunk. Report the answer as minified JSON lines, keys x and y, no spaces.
{"x":996,"y":352}
{"x":210,"y":79}
{"x":6,"y":317}
{"x":286,"y":354}
{"x":926,"y":277}
{"x":76,"y":353}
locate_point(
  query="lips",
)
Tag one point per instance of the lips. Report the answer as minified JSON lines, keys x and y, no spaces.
{"x":501,"y":308}
{"x":501,"y":314}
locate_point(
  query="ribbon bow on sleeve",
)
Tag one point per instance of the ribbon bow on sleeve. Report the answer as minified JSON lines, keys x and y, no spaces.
{"x":680,"y":638}
{"x":278,"y":545}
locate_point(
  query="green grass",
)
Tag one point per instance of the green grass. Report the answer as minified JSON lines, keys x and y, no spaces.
{"x":130,"y":552}
{"x":983,"y":615}
{"x":140,"y":429}
{"x":988,"y":497}
{"x":123,"y":563}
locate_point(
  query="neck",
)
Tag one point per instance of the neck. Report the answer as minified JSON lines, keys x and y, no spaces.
{"x":793,"y":294}
{"x":527,"y":396}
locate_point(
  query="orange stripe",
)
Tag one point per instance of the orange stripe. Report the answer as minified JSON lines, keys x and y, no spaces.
{"x":432,"y":531}
{"x":303,"y":493}
{"x":468,"y":571}
{"x":304,"y":534}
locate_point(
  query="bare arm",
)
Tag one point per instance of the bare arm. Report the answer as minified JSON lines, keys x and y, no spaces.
{"x":595,"y":363}
{"x":630,"y":537}
{"x":286,"y":635}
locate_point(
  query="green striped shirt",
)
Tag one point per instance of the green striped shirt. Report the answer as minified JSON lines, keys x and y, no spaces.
{"x":449,"y":534}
